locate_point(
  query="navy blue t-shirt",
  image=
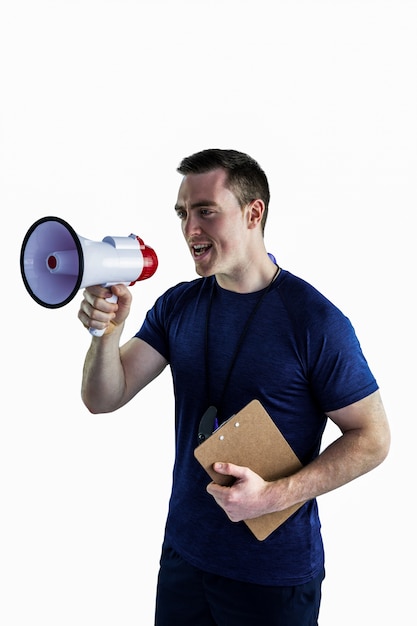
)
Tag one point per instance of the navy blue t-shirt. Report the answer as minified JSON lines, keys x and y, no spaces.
{"x":300,"y":357}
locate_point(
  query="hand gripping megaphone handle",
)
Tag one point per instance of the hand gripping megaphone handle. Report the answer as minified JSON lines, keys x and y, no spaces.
{"x":149,"y":265}
{"x":97,"y":332}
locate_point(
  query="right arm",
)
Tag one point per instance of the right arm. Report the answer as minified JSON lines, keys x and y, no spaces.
{"x":113,"y":375}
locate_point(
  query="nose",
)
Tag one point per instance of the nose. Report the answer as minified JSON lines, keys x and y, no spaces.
{"x":191,"y":225}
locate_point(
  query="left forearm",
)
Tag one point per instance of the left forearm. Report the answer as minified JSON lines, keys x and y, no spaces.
{"x":347,"y":458}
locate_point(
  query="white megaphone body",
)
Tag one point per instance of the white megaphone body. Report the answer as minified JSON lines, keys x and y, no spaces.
{"x":55,"y":262}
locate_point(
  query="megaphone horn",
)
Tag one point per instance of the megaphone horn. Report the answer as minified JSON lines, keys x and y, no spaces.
{"x":55,"y":262}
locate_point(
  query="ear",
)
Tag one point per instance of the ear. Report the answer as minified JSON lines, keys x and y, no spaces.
{"x":255,"y":212}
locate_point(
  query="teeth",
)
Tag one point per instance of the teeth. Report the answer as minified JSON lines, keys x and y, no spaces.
{"x":199,"y":248}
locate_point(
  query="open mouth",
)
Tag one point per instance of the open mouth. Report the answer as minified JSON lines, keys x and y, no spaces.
{"x":199,"y":249}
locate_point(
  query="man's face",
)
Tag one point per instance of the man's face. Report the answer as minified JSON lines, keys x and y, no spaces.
{"x":213,"y":223}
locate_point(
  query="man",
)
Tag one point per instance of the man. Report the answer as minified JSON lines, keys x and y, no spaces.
{"x":246,"y":329}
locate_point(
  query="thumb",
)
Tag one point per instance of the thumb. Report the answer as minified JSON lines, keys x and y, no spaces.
{"x":122,"y":293}
{"x":229,"y":469}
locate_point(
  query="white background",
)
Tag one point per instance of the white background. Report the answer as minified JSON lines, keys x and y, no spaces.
{"x":100,"y":100}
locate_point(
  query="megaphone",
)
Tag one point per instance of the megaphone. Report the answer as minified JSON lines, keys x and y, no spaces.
{"x":55,"y":262}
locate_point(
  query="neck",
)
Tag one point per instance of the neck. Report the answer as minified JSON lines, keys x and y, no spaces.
{"x":250,"y":278}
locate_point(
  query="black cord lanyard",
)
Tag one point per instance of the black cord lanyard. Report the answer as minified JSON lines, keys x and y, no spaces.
{"x":239,"y":343}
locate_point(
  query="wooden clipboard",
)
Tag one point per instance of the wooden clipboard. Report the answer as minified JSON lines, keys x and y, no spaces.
{"x":251,"y":439}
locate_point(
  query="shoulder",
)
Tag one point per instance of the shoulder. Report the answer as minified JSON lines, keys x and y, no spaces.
{"x":182,"y":294}
{"x":169,"y":311}
{"x":187,"y":289}
{"x":303,"y":301}
{"x":183,"y":287}
{"x":312,"y":316}
{"x":296,"y":288}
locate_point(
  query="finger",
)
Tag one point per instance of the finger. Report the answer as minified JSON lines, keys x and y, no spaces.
{"x":97,"y":296}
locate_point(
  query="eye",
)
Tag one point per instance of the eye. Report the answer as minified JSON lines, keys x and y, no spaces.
{"x":181,"y":214}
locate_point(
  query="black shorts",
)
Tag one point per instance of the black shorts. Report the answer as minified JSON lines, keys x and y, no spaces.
{"x":187,"y":596}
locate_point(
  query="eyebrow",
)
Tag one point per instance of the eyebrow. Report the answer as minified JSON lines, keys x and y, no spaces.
{"x":197,"y":205}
